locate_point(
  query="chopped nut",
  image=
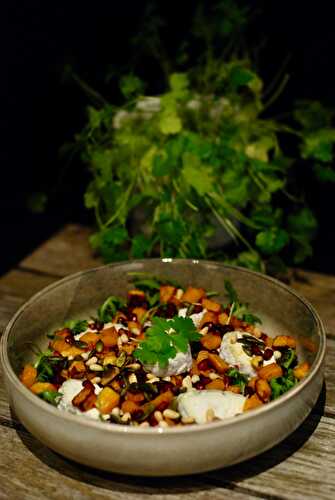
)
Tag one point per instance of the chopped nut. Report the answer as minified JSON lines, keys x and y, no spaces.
{"x":153,"y":380}
{"x":91,"y":361}
{"x":163,"y":424}
{"x":187,"y":420}
{"x":132,"y":379}
{"x":96,"y":380}
{"x":126,"y":417}
{"x":213,"y":376}
{"x":158,"y":416}
{"x":195,"y":379}
{"x":187,"y":382}
{"x":210,"y":415}
{"x":96,"y":368}
{"x":170,"y":414}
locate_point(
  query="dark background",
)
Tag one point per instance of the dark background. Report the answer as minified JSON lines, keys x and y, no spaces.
{"x":40,"y":112}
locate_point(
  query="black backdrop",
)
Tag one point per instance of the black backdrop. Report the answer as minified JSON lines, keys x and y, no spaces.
{"x":39,"y":112}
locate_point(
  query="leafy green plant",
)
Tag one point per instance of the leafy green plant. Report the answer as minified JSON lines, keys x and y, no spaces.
{"x":168,"y":170}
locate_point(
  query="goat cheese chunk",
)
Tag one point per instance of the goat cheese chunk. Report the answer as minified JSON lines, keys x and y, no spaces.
{"x":69,"y":389}
{"x":233,"y":353}
{"x":181,"y":363}
{"x":196,"y":404}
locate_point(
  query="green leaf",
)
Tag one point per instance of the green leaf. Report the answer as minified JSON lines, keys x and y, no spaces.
{"x":196,"y":174}
{"x":77,"y":326}
{"x":109,"y":308}
{"x":51,"y":397}
{"x":131,"y":86}
{"x":272,"y":240}
{"x":164,"y":339}
{"x":140,"y":246}
{"x":324,"y":173}
{"x":161,"y":165}
{"x":237,"y":378}
{"x":179,"y":83}
{"x":312,"y":115}
{"x":319,"y":145}
{"x":170,"y":123}
{"x":281,"y":385}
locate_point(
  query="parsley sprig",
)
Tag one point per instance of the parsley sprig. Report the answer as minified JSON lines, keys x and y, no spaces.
{"x":164,"y":339}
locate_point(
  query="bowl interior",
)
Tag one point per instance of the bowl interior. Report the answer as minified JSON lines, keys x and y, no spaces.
{"x":282,"y":311}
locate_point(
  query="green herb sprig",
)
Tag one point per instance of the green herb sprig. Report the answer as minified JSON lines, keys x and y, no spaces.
{"x":164,"y":339}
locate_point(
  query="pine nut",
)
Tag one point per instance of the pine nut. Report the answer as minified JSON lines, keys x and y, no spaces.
{"x":187,"y":420}
{"x":195,"y":379}
{"x":179,"y":293}
{"x":134,"y":366}
{"x":167,"y":378}
{"x":126,"y":417}
{"x":210,"y":415}
{"x":135,"y":331}
{"x":96,"y":368}
{"x":150,"y":375}
{"x":70,"y":358}
{"x":163,"y":424}
{"x":152,"y":380}
{"x":277,"y":354}
{"x":119,"y":342}
{"x":124,"y":338}
{"x":96,"y":380}
{"x":204,"y":330}
{"x":132,"y":378}
{"x":213,"y":376}
{"x":187,"y":382}
{"x":171,"y":414}
{"x":144,"y":424}
{"x":158,"y":416}
{"x":85,"y":355}
{"x":91,"y":361}
{"x":115,"y":411}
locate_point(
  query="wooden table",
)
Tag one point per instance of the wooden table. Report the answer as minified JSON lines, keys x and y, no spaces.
{"x":301,"y":467}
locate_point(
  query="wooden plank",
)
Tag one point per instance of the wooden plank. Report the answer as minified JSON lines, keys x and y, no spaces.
{"x":301,"y":467}
{"x":29,"y":470}
{"x":65,"y":253}
{"x":319,"y":289}
{"x":23,"y":284}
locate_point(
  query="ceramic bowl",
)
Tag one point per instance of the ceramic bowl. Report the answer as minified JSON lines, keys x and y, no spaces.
{"x":158,"y":451}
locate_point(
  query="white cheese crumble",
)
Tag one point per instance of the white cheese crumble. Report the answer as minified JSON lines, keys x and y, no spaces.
{"x":69,"y":389}
{"x":233,"y":353}
{"x":181,"y":363}
{"x":196,"y":404}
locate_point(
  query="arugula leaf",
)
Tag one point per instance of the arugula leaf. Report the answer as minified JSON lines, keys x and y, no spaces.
{"x":109,"y":308}
{"x":51,"y":397}
{"x":238,"y":309}
{"x":237,"y":378}
{"x":288,"y":358}
{"x":164,"y":339}
{"x":77,"y":326}
{"x":46,"y":364}
{"x":280,"y":385}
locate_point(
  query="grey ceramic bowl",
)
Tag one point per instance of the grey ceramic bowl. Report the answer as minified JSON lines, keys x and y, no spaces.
{"x":171,"y":451}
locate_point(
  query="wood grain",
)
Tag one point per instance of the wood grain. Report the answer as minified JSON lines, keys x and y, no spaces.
{"x":300,"y":467}
{"x":65,"y":253}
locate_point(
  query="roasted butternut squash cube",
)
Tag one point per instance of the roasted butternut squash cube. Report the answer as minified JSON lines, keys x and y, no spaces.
{"x":270,"y":371}
{"x":211,"y":305}
{"x":193,"y":295}
{"x":28,"y":375}
{"x":107,"y":400}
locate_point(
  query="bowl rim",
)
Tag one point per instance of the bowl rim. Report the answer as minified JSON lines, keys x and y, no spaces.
{"x":118,"y":428}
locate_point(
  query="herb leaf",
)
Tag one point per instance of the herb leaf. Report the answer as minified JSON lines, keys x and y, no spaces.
{"x":77,"y":326}
{"x":237,"y":378}
{"x":280,"y":385}
{"x":238,"y":309}
{"x":109,"y":308}
{"x":51,"y":397}
{"x":164,"y":339}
